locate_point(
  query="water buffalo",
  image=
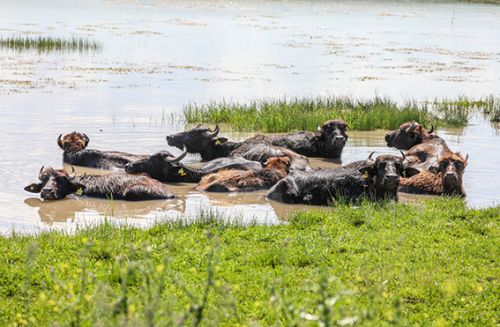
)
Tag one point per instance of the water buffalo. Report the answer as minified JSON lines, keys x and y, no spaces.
{"x":235,"y":180}
{"x":327,"y":142}
{"x":75,"y":152}
{"x":206,"y":142}
{"x":376,"y":180}
{"x":446,"y":180}
{"x":163,"y":166}
{"x":57,"y":183}
{"x":423,"y":147}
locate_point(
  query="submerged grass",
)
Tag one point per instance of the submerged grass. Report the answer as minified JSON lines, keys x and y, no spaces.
{"x":306,"y":114}
{"x":46,"y":44}
{"x":377,"y":264}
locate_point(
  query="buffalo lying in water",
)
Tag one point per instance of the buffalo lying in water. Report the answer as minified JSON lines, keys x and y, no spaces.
{"x":235,"y":180}
{"x":57,"y":183}
{"x":376,"y":180}
{"x":446,"y":180}
{"x":206,"y":142}
{"x":75,"y":152}
{"x":423,"y":147}
{"x":327,"y":142}
{"x":163,"y":166}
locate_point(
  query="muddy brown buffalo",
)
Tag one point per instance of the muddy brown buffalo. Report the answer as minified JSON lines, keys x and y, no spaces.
{"x":235,"y":180}
{"x":447,"y":179}
{"x":423,"y":148}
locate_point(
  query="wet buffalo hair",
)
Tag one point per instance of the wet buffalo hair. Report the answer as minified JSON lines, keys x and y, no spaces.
{"x":373,"y":180}
{"x":56,"y":184}
{"x":234,"y":180}
{"x":447,"y":179}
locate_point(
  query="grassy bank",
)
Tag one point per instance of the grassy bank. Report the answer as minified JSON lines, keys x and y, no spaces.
{"x":376,"y":264}
{"x":46,"y":44}
{"x":306,"y":114}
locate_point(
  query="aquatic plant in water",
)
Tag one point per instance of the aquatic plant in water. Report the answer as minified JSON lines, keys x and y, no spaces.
{"x":46,"y":44}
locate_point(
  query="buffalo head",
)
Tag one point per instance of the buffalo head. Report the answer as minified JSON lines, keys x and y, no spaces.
{"x":54,"y":184}
{"x":159,"y":166}
{"x":333,"y":136}
{"x":451,"y":167}
{"x":385,"y":171}
{"x":73,"y":142}
{"x":196,"y":140}
{"x":407,"y":135}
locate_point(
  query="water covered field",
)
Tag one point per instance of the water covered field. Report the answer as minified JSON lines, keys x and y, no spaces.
{"x":155,"y":57}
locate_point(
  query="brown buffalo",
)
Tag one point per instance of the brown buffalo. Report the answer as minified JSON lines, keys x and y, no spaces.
{"x":75,"y":152}
{"x":445,"y":180}
{"x":423,"y":147}
{"x":234,"y":180}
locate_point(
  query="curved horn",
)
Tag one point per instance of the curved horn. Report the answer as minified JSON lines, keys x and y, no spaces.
{"x":40,"y":173}
{"x":215,"y":132}
{"x":370,"y":156}
{"x":411,"y":128}
{"x":432,"y":129}
{"x":59,"y":141}
{"x":403,"y":155}
{"x":86,"y":138}
{"x":180,"y":157}
{"x":72,"y":175}
{"x":466,"y":157}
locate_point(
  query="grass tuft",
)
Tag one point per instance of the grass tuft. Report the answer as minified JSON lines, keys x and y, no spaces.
{"x":284,"y":115}
{"x":47,"y":44}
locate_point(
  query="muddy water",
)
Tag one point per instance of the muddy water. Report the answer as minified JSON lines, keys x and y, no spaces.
{"x":158,"y":56}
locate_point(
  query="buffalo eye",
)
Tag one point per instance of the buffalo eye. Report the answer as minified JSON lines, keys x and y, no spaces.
{"x":444,"y":164}
{"x":399,"y":166}
{"x":458,"y":165}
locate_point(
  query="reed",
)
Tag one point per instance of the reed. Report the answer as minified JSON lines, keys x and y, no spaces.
{"x":47,"y":44}
{"x":285,"y":115}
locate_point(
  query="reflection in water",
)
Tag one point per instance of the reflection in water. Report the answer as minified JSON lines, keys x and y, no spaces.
{"x":130,"y":95}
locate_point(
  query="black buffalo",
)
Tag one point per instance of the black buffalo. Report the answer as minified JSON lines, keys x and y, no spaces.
{"x":327,"y":142}
{"x":164,"y":167}
{"x":57,"y":183}
{"x":75,"y":152}
{"x":206,"y":142}
{"x":375,"y":180}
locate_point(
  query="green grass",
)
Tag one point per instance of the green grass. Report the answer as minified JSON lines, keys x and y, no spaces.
{"x":378,"y":264}
{"x":46,"y":44}
{"x":307,"y":113}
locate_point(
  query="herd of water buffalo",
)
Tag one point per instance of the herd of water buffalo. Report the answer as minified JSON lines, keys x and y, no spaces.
{"x":279,"y":162}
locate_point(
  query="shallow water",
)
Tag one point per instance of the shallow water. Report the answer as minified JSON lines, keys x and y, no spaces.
{"x":158,"y":56}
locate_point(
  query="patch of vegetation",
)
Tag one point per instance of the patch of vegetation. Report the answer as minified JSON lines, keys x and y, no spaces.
{"x":46,"y":44}
{"x":284,"y":115}
{"x":376,"y":264}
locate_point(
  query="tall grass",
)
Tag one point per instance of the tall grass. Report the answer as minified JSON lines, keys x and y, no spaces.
{"x":46,"y":44}
{"x":285,"y":115}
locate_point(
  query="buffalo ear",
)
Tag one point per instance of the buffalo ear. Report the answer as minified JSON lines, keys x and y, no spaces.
{"x":219,"y":140}
{"x":34,"y":188}
{"x":369,"y":169}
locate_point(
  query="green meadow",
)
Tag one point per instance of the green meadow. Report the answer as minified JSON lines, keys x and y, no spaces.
{"x":284,"y":115}
{"x":435,"y":263}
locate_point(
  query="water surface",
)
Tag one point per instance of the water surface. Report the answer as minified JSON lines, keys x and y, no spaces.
{"x":158,"y":56}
